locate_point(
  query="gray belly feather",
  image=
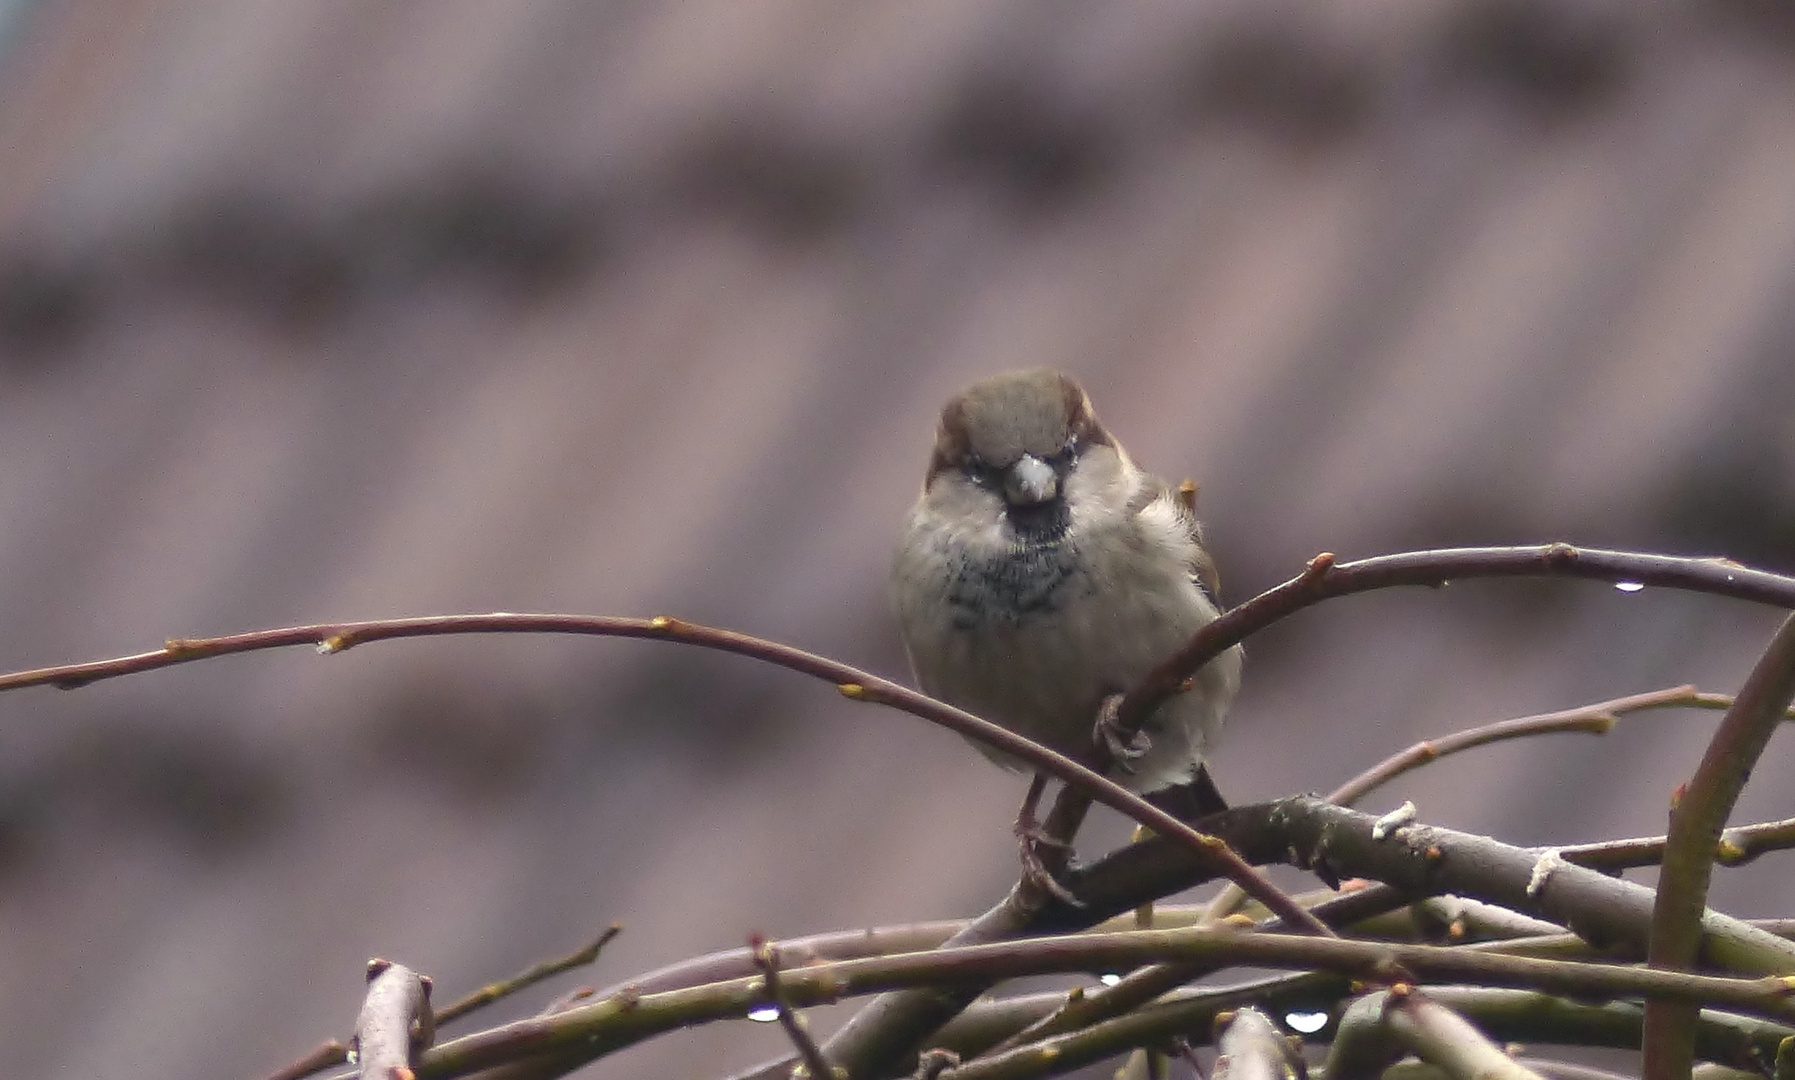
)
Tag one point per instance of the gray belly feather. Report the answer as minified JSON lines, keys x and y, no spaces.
{"x":1035,"y":638}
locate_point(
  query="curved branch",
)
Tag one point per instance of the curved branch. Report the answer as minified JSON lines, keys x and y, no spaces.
{"x":1324,"y":579}
{"x":855,"y":684}
{"x":1696,"y":822}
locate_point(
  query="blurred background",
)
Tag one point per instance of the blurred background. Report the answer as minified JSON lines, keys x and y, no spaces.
{"x":312,"y":311}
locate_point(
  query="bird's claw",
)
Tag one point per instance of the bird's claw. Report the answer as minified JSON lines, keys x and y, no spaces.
{"x":1109,"y":731}
{"x":1035,"y":869}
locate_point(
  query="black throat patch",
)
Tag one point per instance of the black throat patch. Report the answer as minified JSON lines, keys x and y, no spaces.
{"x":1032,"y":578}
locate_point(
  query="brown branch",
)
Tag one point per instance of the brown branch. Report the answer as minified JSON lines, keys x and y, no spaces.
{"x":1146,"y":983}
{"x":397,"y":998}
{"x":1505,"y":1014}
{"x":607,"y":1025}
{"x":329,"y":1053}
{"x":1696,"y":822}
{"x":1597,"y":719}
{"x":1325,"y":579}
{"x":853,"y":683}
{"x":795,"y":952}
{"x":766,"y":957}
{"x":530,"y":976}
{"x":335,"y":1053}
{"x":1424,"y":860}
{"x":1737,"y":846}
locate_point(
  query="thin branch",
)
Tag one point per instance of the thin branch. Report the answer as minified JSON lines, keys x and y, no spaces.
{"x":1598,"y":718}
{"x":1325,"y":579}
{"x":1565,"y":1070}
{"x":766,"y":957}
{"x":1737,"y":846}
{"x":607,"y":1025}
{"x":1696,"y":822}
{"x":329,"y":1053}
{"x":530,"y":976}
{"x":853,"y":683}
{"x":1143,"y":984}
{"x":798,"y":952}
{"x":1505,"y":1014}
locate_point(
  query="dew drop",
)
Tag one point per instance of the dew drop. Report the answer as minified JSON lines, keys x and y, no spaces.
{"x":1109,"y":979}
{"x":1306,"y":1023}
{"x":763,"y":1014}
{"x":1629,"y":586}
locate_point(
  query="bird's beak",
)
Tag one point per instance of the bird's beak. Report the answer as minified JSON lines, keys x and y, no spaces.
{"x":1030,"y":482}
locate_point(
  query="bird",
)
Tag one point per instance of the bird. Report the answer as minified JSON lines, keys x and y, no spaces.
{"x":1041,"y":573}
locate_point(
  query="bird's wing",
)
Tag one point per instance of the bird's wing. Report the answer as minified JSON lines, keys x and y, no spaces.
{"x":1183,"y":500}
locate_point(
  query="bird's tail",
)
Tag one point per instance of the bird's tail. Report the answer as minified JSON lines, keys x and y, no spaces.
{"x":1192,"y":799}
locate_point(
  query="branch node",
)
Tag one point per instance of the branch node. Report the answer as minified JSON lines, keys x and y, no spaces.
{"x":1394,"y":820}
{"x":815,"y":1066}
{"x":1549,"y":860}
{"x":1559,"y":553}
{"x":932,"y":1063}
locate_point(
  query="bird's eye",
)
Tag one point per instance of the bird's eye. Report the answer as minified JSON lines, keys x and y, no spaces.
{"x":981,"y":472}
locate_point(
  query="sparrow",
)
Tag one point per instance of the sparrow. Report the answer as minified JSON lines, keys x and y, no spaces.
{"x":1041,"y":574}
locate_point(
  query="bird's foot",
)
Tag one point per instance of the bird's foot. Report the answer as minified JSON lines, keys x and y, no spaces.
{"x":1042,"y":853}
{"x":1109,"y":732}
{"x":1039,"y":850}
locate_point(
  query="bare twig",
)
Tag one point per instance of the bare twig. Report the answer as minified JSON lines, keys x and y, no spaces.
{"x":397,"y":998}
{"x":606,"y":1025}
{"x":329,"y":1053}
{"x":832,"y":945}
{"x":1696,"y":822}
{"x":1565,"y":1070}
{"x":1324,"y":579}
{"x":853,"y":683}
{"x":1504,"y":1014}
{"x":1424,"y":860}
{"x":1146,"y":983}
{"x":766,"y":957}
{"x":492,"y":992}
{"x":1598,"y":718}
{"x":1737,"y":846}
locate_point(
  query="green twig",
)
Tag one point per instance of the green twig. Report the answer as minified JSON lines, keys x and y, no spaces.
{"x":492,"y":992}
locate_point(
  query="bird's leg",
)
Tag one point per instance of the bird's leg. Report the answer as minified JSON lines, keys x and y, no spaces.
{"x":1033,"y":839}
{"x":1109,"y":733}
